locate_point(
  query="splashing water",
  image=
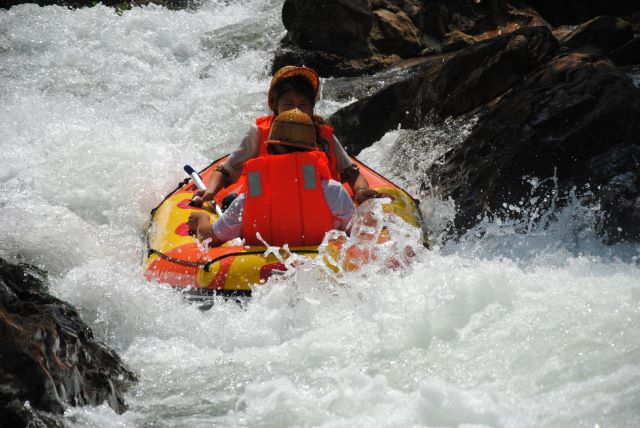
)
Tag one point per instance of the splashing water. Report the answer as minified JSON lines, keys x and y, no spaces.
{"x":517,"y":326}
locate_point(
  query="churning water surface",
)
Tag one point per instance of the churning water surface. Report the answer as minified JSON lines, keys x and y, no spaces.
{"x":99,"y":112}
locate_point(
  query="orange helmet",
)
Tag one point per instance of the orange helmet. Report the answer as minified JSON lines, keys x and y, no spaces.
{"x":291,"y":71}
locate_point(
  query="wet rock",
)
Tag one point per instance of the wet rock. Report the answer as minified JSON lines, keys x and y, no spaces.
{"x":604,"y":32}
{"x":328,"y":64}
{"x":627,"y":54}
{"x":457,"y":40}
{"x":348,"y":89}
{"x":363,"y":122}
{"x":48,"y":356}
{"x":634,"y":20}
{"x":478,"y":74}
{"x":576,"y":119}
{"x":475,"y":18}
{"x":351,"y":37}
{"x":619,"y":195}
{"x":330,"y":36}
{"x":338,"y":27}
{"x":562,"y":12}
{"x":448,"y":85}
{"x":395,"y":34}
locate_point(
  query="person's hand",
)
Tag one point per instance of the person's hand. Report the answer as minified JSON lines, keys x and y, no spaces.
{"x":200,"y":197}
{"x":362,"y":195}
{"x":195,"y":218}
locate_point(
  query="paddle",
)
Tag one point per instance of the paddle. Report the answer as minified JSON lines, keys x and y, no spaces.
{"x":197,"y":200}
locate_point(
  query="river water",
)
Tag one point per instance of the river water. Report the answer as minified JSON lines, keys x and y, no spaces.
{"x":98,"y":114}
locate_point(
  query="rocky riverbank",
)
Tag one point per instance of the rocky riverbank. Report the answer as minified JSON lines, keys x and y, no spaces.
{"x":49,"y":358}
{"x":544,"y":82}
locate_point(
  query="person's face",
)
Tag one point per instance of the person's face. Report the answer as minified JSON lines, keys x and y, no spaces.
{"x":293,"y":99}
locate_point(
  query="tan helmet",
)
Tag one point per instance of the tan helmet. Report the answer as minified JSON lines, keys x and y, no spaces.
{"x":291,"y":71}
{"x":293,"y":128}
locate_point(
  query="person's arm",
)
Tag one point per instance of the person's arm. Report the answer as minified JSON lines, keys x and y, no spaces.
{"x":229,"y":171}
{"x":200,"y":227}
{"x":225,"y":228}
{"x":339,"y":203}
{"x":360,"y":187}
{"x":350,"y":173}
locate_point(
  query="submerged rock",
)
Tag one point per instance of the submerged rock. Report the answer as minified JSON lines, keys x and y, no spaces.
{"x":48,"y":356}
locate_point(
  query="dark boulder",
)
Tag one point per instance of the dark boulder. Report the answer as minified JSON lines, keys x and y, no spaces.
{"x":619,"y":195}
{"x":328,"y":64}
{"x":48,"y":355}
{"x":445,"y":86}
{"x":354,"y":37}
{"x":571,"y":12}
{"x":334,"y":26}
{"x":475,"y":18}
{"x":478,"y":74}
{"x":577,"y":119}
{"x":604,"y":32}
{"x":395,"y":33}
{"x":363,"y":122}
{"x":627,"y":54}
{"x":331,"y":36}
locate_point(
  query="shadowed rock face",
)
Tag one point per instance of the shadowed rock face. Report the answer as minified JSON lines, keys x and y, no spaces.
{"x":48,"y":355}
{"x":576,"y":117}
{"x":445,"y":86}
{"x":627,"y":54}
{"x":480,"y":73}
{"x":332,"y":36}
{"x":571,"y":12}
{"x":348,"y":22}
{"x":604,"y":32}
{"x":352,"y":37}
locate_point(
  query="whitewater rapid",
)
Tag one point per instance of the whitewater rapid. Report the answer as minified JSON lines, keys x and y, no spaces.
{"x":98,"y":114}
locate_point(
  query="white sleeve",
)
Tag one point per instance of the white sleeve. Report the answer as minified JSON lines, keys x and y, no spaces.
{"x":249,"y":148}
{"x":339,"y":202}
{"x":342,"y":158}
{"x":229,"y":225}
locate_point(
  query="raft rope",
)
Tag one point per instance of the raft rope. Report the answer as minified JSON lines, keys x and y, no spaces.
{"x":207,"y":265}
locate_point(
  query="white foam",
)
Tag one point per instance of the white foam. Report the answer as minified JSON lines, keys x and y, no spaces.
{"x":100,"y":112}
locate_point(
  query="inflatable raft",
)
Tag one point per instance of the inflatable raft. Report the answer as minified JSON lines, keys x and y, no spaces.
{"x":175,"y":258}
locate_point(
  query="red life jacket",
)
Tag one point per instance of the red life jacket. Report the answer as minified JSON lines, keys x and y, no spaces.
{"x":284,"y":199}
{"x":326,"y":133}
